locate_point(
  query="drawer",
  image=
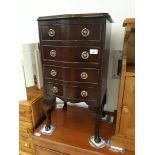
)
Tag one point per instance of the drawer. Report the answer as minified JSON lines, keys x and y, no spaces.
{"x":71,"y":74}
{"x":71,"y":54}
{"x":71,"y":92}
{"x":45,"y":151}
{"x":53,"y":88}
{"x":70,"y":32}
{"x":26,"y":145}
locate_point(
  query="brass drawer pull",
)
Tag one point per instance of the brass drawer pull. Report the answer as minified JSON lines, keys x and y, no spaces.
{"x":53,"y":53}
{"x":84,"y":93}
{"x":84,"y":75}
{"x":51,"y":32}
{"x":85,"y":32}
{"x":85,"y":55}
{"x":54,"y":89}
{"x":53,"y":72}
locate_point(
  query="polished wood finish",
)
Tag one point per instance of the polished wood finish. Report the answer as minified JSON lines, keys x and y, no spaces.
{"x":75,"y":54}
{"x":75,"y":16}
{"x":70,"y":54}
{"x":71,"y":134}
{"x":71,"y":74}
{"x":125,"y":123}
{"x":65,"y":32}
{"x":30,"y":115}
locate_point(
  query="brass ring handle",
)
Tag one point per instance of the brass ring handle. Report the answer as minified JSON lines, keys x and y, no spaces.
{"x":51,"y":32}
{"x":85,"y":32}
{"x":85,"y":55}
{"x":54,"y":89}
{"x":53,"y":72}
{"x":84,"y":93}
{"x":53,"y":53}
{"x":84,"y":75}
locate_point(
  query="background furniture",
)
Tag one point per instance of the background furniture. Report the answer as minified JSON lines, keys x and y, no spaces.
{"x":125,"y":124}
{"x":72,"y":133}
{"x":30,"y":115}
{"x":75,"y":54}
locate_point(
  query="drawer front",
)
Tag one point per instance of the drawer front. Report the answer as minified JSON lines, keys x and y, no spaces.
{"x":71,"y":54}
{"x":44,"y":151}
{"x":71,"y":32}
{"x":71,"y":74}
{"x":53,"y":88}
{"x":71,"y":92}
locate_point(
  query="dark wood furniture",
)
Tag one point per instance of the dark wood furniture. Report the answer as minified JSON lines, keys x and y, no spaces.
{"x":125,"y":124}
{"x":75,"y":52}
{"x":72,"y":134}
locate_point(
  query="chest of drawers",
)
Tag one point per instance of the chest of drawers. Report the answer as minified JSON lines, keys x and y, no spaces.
{"x":75,"y":53}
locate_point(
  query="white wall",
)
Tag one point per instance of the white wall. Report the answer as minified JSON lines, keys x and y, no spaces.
{"x":30,"y":10}
{"x":119,"y":10}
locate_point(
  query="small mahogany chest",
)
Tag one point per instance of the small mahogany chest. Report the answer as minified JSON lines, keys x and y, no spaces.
{"x":75,"y":53}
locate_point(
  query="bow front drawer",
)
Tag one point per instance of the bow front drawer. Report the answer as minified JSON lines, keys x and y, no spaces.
{"x":70,"y":32}
{"x":71,"y":54}
{"x":71,"y":74}
{"x":71,"y":92}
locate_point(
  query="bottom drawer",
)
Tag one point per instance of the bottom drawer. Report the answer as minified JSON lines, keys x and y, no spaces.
{"x":25,"y":144}
{"x":44,"y":151}
{"x":71,"y":92}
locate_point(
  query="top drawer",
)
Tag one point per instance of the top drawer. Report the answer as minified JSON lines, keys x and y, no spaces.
{"x":70,"y":32}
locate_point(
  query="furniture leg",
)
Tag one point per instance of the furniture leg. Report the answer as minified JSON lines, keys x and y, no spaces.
{"x":97,"y":126}
{"x":65,"y":105}
{"x":97,"y":116}
{"x":48,"y":104}
{"x":103,"y":103}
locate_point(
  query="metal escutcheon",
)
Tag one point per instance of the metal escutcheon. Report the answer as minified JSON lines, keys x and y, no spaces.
{"x":51,"y":32}
{"x":84,"y":93}
{"x":53,"y":53}
{"x":54,"y":89}
{"x":85,"y":32}
{"x":84,"y":75}
{"x":53,"y":72}
{"x":85,"y":55}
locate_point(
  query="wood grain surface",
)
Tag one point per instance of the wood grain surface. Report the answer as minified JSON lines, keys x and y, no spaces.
{"x":73,"y":129}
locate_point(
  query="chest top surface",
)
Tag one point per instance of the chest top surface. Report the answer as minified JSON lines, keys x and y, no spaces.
{"x":76,"y":16}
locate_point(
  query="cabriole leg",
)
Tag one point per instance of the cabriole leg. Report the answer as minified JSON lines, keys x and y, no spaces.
{"x":97,"y":125}
{"x":103,"y":103}
{"x":48,"y":104}
{"x":65,"y":105}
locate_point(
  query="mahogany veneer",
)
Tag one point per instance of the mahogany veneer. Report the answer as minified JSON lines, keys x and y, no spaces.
{"x":75,"y":54}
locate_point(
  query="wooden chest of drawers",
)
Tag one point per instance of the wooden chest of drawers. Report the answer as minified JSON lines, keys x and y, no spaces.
{"x":125,"y":123}
{"x":75,"y":53}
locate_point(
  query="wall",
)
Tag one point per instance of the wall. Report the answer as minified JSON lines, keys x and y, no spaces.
{"x":119,"y":10}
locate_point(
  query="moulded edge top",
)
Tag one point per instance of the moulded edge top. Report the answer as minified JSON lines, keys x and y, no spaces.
{"x":68,"y":16}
